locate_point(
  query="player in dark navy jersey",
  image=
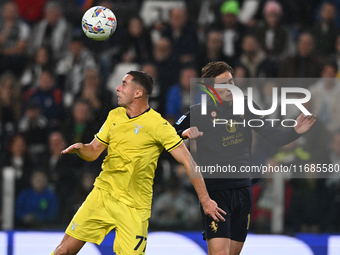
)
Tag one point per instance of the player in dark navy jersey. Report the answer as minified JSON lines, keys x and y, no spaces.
{"x":229,"y":145}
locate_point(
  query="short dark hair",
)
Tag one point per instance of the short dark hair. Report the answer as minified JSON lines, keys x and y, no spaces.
{"x":143,"y":79}
{"x":330,"y":63}
{"x":214,"y":69}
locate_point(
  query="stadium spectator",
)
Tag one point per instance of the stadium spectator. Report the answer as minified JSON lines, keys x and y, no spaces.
{"x":240,"y":71}
{"x":53,"y":31}
{"x":299,"y":15}
{"x":232,"y":30}
{"x":31,"y":11}
{"x":325,"y":31}
{"x":71,"y":69}
{"x":255,"y":60}
{"x":34,"y":127}
{"x":303,"y":64}
{"x":325,"y":95}
{"x":274,"y":37}
{"x":79,"y":194}
{"x":80,"y":126}
{"x":108,"y":48}
{"x":335,"y":57}
{"x":14,"y":35}
{"x":49,"y":98}
{"x":181,"y":213}
{"x":41,"y":60}
{"x":178,"y":96}
{"x":100,"y":98}
{"x":212,"y":50}
{"x":243,"y":81}
{"x":155,"y":97}
{"x":37,"y":206}
{"x":136,"y":44}
{"x":10,"y":104}
{"x":17,"y":156}
{"x":312,"y":142}
{"x":182,"y":35}
{"x":292,"y":153}
{"x":62,"y":170}
{"x":167,"y":64}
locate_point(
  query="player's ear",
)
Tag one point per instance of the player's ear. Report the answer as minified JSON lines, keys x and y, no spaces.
{"x":139,"y":93}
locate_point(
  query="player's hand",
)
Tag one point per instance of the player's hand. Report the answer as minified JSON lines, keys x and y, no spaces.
{"x":73,"y":148}
{"x":211,"y":209}
{"x":304,"y":122}
{"x":191,"y":133}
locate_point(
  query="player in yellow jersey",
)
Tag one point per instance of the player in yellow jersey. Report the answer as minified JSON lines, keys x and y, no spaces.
{"x":134,"y":135}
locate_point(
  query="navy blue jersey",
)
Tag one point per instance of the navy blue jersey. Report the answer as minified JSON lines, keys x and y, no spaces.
{"x":229,"y":144}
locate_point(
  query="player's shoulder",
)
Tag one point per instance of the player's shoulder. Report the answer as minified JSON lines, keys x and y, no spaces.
{"x":155,"y":117}
{"x":117,"y":111}
{"x":194,"y":109}
{"x":253,"y":102}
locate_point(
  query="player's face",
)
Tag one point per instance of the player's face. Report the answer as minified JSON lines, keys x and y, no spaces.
{"x":225,"y":94}
{"x":126,"y":91}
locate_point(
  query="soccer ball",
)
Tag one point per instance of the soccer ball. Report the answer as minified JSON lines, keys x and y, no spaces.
{"x":99,"y":23}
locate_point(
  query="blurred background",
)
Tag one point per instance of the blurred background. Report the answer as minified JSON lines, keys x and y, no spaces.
{"x":57,"y":87}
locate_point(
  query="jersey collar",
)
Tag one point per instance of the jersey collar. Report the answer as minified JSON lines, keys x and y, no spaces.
{"x":138,"y":114}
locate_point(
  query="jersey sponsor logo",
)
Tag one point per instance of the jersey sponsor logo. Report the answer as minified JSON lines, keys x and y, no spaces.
{"x":166,"y":123}
{"x":179,"y":121}
{"x":214,"y":226}
{"x":232,"y":126}
{"x":137,"y":128}
{"x":74,"y":225}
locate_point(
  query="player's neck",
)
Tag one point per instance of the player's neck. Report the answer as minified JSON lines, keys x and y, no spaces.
{"x":136,"y":109}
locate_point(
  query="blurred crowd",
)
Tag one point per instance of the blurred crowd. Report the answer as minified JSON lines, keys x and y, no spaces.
{"x":57,"y":87}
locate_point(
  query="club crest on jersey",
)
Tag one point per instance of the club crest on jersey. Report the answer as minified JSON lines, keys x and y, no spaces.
{"x":137,"y":128}
{"x":74,"y":225}
{"x":213,"y":114}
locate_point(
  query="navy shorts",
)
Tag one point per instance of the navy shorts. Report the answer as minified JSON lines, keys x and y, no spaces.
{"x":237,"y":203}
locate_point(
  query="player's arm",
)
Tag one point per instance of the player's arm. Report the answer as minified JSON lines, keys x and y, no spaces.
{"x":183,"y":128}
{"x":281,"y":137}
{"x":182,"y":155}
{"x":88,"y":152}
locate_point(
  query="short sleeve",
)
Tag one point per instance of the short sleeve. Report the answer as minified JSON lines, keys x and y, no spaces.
{"x":103,"y":135}
{"x":167,"y":136}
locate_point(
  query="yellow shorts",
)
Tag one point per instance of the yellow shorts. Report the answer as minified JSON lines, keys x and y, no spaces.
{"x":100,"y":213}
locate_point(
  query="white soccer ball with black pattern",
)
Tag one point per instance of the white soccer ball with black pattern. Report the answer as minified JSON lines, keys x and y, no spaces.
{"x":99,"y":23}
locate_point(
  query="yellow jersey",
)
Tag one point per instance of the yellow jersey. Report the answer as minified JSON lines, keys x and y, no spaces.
{"x":134,"y":146}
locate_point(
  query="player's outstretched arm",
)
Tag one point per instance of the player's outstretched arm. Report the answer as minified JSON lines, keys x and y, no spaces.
{"x":182,"y":155}
{"x":88,"y":152}
{"x":304,"y":123}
